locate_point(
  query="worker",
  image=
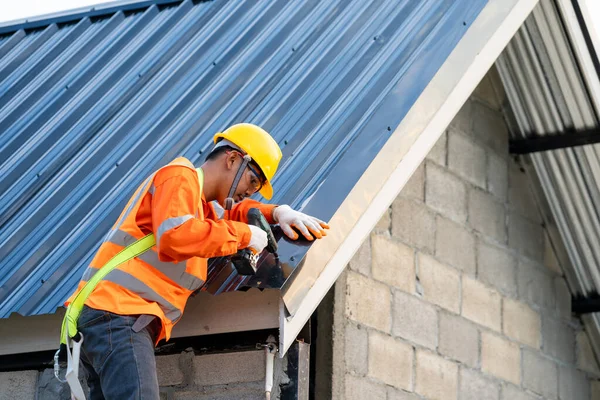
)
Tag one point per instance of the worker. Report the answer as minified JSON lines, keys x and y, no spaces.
{"x":137,"y":304}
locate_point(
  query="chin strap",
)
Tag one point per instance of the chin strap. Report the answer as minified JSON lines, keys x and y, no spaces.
{"x":229,"y":200}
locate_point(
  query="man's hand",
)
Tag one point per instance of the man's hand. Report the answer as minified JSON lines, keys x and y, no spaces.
{"x":307,"y":225}
{"x":258,"y":240}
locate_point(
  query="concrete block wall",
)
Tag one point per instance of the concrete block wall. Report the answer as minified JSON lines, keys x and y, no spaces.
{"x":185,"y":376}
{"x":456,"y":294}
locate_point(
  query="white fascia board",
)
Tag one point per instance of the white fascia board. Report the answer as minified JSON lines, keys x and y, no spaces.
{"x":405,"y":150}
{"x":204,"y":314}
{"x":580,"y":47}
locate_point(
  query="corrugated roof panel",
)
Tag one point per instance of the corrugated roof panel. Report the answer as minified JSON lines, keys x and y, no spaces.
{"x":88,"y":109}
{"x":547,"y":92}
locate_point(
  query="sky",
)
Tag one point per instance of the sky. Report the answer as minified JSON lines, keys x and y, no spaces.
{"x":18,"y":9}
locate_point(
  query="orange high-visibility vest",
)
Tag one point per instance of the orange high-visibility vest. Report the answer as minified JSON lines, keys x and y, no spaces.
{"x":169,"y":203}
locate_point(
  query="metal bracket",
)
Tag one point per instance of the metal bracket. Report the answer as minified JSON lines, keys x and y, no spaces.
{"x":569,"y":138}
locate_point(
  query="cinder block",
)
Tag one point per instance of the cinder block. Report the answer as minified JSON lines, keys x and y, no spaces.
{"x":586,"y":360}
{"x":487,"y":90}
{"x":390,"y":361}
{"x":218,"y":369}
{"x":486,"y":215}
{"x":573,"y":384}
{"x":535,"y":285}
{"x":540,"y":374}
{"x":167,"y":368}
{"x":466,"y":158}
{"x":550,"y":260}
{"x":522,"y":323}
{"x":358,"y":388}
{"x":510,"y":392}
{"x":368,"y":302}
{"x":595,"y":390}
{"x":439,"y":152}
{"x":500,"y":358}
{"x":497,"y":267}
{"x":397,"y":394}
{"x":437,"y":378}
{"x":413,"y":223}
{"x":49,"y":388}
{"x":361,"y":261}
{"x":525,"y":236}
{"x":441,"y":284}
{"x":459,"y":339}
{"x":558,"y":340}
{"x":356,"y":349}
{"x":484,"y":92}
{"x":520,"y":194}
{"x":238,"y":391}
{"x":415,"y":320}
{"x":498,"y":86}
{"x":563,"y":298}
{"x":463,"y":121}
{"x":445,"y":193}
{"x":415,"y":187}
{"x":18,"y":385}
{"x":393,"y":262}
{"x":455,"y":245}
{"x":497,"y":176}
{"x":489,"y":127}
{"x":384,"y":222}
{"x":474,"y":386}
{"x":480,"y":304}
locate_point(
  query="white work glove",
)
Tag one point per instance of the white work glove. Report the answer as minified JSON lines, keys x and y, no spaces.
{"x":258,"y":240}
{"x":288,"y":218}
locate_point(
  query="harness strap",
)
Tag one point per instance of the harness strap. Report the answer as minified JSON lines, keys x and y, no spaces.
{"x":69,"y":334}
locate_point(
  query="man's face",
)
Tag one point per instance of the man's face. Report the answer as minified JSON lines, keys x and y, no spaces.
{"x":250,"y":182}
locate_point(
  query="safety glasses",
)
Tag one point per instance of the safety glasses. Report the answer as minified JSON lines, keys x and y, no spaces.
{"x":255,"y":176}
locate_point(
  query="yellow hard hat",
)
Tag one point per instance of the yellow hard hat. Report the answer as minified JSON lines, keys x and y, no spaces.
{"x":260,"y":146}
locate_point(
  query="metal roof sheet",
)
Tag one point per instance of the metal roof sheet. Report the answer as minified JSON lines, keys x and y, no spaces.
{"x":548,"y":95}
{"x":552,"y":91}
{"x":91,"y":104}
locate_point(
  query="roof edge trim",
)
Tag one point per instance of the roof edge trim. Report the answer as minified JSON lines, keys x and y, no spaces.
{"x":79,"y":13}
{"x":407,"y":147}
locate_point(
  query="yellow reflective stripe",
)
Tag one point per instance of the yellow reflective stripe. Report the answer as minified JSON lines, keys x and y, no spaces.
{"x":174,"y":271}
{"x":69,"y":324}
{"x":74,"y":309}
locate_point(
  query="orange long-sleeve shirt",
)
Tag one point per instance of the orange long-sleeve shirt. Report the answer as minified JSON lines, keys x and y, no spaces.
{"x":204,"y":235}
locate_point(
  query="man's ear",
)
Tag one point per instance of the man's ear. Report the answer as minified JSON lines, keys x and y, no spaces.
{"x":230,"y":160}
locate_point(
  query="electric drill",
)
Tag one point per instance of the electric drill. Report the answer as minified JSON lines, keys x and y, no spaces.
{"x":245,"y":261}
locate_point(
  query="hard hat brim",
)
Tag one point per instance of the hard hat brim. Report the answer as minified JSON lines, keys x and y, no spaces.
{"x":267,"y":190}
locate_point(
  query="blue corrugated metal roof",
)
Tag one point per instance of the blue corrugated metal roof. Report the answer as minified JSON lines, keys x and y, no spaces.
{"x":91,"y":105}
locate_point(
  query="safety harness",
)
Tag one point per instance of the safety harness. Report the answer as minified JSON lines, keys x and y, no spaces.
{"x":69,"y":335}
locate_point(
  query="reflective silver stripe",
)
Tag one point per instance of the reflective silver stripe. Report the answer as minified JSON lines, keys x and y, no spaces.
{"x":152,"y":189}
{"x":175,"y":272}
{"x":89,"y":272}
{"x":133,"y":284}
{"x":220,"y":211}
{"x":170,"y":223}
{"x":121,"y":238}
{"x":133,"y":202}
